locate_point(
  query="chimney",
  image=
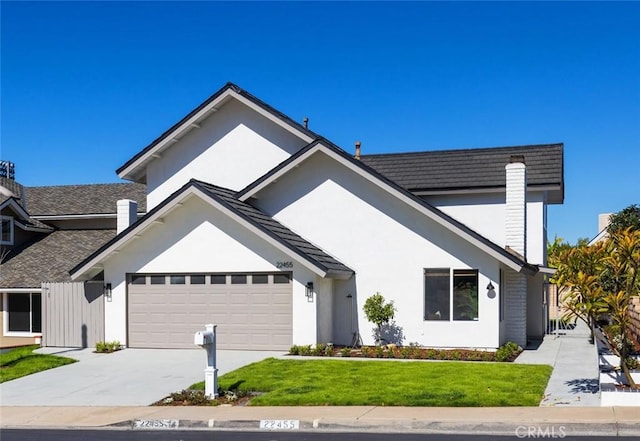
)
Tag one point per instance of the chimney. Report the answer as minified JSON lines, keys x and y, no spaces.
{"x":516,"y":205}
{"x":357,"y":150}
{"x":127,"y":214}
{"x":604,"y":219}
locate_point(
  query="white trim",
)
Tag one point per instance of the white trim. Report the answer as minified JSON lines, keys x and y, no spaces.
{"x":389,"y":189}
{"x":5,"y":312}
{"x":193,"y":123}
{"x":10,"y":220}
{"x":114,"y":248}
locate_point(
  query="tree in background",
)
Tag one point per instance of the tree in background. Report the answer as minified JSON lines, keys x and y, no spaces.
{"x":627,"y":218}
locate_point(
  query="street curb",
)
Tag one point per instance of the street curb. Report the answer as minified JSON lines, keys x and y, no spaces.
{"x":538,"y":428}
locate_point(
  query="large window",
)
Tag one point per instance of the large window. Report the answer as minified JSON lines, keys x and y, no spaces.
{"x":6,"y":230}
{"x":24,"y":312}
{"x":450,"y":294}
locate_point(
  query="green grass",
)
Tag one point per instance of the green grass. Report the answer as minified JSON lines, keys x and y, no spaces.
{"x":22,"y":361}
{"x":390,"y":383}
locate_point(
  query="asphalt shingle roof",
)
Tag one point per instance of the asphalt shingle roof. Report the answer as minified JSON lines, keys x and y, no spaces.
{"x":274,"y":228}
{"x":49,"y":258}
{"x":82,"y":199}
{"x":468,"y":168}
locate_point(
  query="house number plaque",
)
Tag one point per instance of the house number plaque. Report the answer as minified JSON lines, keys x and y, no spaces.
{"x":282,"y":265}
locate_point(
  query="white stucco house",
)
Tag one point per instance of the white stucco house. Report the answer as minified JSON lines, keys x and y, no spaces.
{"x":259,"y":225}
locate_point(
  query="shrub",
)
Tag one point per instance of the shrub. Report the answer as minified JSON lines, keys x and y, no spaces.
{"x":378,"y":312}
{"x":319,"y":349}
{"x":304,"y":350}
{"x":294,"y":350}
{"x":406,"y":352}
{"x":379,"y":352}
{"x":345,"y":352}
{"x":106,"y":347}
{"x":365,"y":351}
{"x":508,"y":351}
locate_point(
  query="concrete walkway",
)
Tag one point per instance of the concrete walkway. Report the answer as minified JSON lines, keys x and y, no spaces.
{"x":574,"y":381}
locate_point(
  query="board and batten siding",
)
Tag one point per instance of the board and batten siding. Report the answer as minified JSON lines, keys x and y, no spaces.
{"x":72,"y":314}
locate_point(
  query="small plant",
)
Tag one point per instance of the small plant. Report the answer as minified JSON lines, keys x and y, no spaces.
{"x":319,"y":349}
{"x":294,"y":350}
{"x":366,"y":352}
{"x":508,"y":351}
{"x":345,"y":352}
{"x":379,"y":313}
{"x":304,"y":350}
{"x":379,"y":351}
{"x":406,"y":352}
{"x":107,"y":347}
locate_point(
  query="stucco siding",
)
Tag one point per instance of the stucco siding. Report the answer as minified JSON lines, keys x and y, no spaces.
{"x":388,"y":244}
{"x":485,"y":214}
{"x":232,"y":148}
{"x":193,"y":238}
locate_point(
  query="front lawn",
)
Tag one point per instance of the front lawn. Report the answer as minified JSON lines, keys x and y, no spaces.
{"x":388,"y":383}
{"x":22,"y":361}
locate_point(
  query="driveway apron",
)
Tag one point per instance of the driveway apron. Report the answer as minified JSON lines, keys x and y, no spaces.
{"x":131,"y":377}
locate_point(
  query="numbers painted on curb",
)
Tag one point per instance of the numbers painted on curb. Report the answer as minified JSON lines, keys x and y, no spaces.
{"x":280,"y":424}
{"x":155,"y":424}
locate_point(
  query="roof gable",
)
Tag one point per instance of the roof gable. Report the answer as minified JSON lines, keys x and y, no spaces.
{"x":25,"y":221}
{"x":134,"y":168}
{"x":250,"y":217}
{"x":385,"y":184}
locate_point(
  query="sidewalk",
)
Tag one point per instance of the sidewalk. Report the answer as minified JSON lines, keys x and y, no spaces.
{"x":574,"y":381}
{"x":614,"y":421}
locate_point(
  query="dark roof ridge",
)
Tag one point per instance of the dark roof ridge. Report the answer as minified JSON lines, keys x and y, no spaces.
{"x":82,"y":185}
{"x":464,"y":150}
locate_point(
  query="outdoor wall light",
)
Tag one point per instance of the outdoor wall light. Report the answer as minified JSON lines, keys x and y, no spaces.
{"x":107,"y":291}
{"x":490,"y":286}
{"x":309,"y":290}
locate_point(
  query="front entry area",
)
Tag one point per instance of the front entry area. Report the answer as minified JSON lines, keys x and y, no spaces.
{"x":253,"y":311}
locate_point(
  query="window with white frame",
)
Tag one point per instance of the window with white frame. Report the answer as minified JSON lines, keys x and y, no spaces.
{"x":6,"y":230}
{"x":23,"y":312}
{"x":450,"y":294}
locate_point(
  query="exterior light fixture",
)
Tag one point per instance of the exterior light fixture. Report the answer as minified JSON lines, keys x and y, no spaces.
{"x":490,"y":286}
{"x":107,"y":291}
{"x":309,"y":290}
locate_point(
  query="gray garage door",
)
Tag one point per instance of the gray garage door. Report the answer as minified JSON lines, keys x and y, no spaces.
{"x":252,"y":311}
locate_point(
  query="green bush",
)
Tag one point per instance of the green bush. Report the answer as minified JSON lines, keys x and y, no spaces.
{"x":345,"y":352}
{"x":305,"y":350}
{"x":294,"y":350}
{"x":508,"y":351}
{"x":106,"y":347}
{"x":319,"y":349}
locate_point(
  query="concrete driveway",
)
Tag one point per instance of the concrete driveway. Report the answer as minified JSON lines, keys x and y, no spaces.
{"x":131,"y":377}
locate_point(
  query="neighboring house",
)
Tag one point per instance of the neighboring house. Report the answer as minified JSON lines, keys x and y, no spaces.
{"x":45,"y":232}
{"x":259,"y":225}
{"x":604,"y":219}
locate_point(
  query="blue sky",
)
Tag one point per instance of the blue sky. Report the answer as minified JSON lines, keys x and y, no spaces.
{"x":86,"y":85}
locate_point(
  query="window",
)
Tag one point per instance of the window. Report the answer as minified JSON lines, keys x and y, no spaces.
{"x":6,"y":230}
{"x":177,"y":280}
{"x":281,"y":278}
{"x":449,"y":294}
{"x":138,"y":280}
{"x":157,"y":280}
{"x":259,"y":279}
{"x":436,"y":294}
{"x":218,"y":279}
{"x":24,"y":312}
{"x":238,"y":279}
{"x":197,"y":279}
{"x":465,"y":295}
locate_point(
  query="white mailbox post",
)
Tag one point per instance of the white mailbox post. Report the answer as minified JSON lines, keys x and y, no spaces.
{"x":207,"y":340}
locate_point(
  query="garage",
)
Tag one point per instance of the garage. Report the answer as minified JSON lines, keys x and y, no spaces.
{"x":252,"y":310}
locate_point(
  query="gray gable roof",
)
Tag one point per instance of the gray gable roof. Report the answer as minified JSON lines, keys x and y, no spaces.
{"x":49,"y":258}
{"x":274,"y":228}
{"x":483,"y":168}
{"x":267,"y":225}
{"x":82,"y":199}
